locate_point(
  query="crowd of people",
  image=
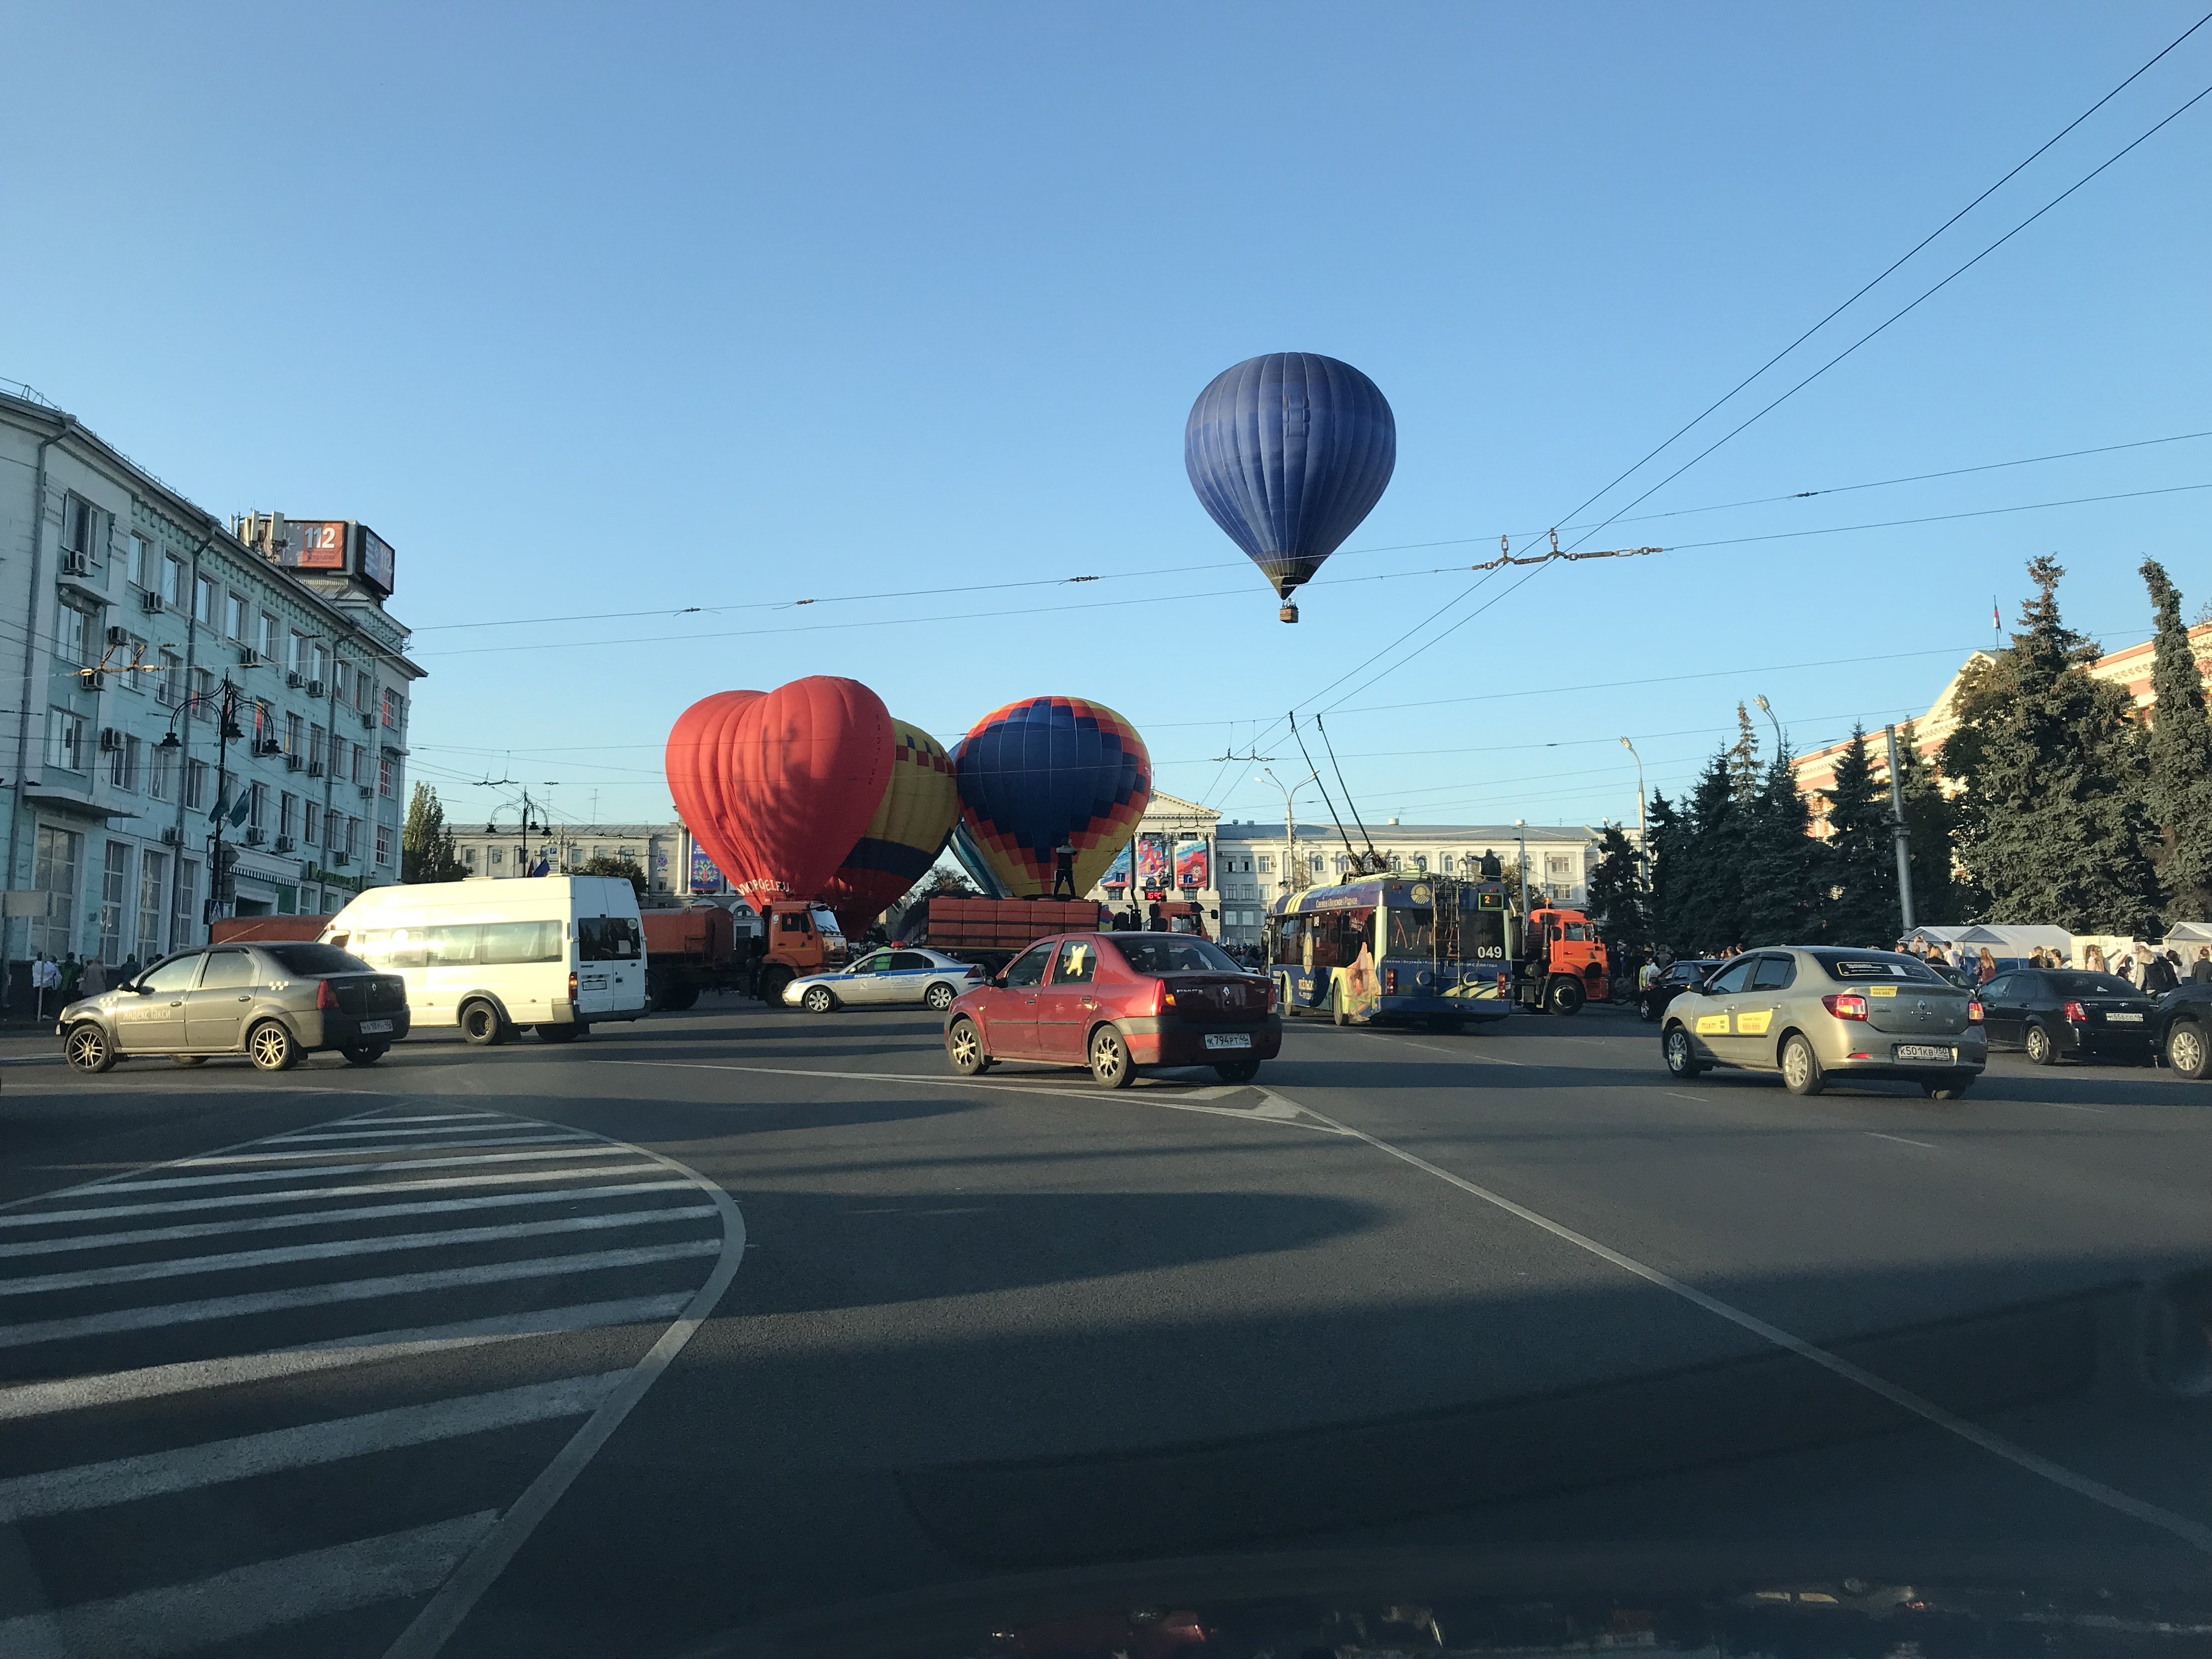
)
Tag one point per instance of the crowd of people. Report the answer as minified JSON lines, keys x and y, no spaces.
{"x":2147,"y":968}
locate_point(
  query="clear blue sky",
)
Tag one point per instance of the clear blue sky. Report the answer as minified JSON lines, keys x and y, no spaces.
{"x":633,"y":309}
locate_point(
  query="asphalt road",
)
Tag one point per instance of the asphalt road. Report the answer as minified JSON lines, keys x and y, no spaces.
{"x":726,"y":1315}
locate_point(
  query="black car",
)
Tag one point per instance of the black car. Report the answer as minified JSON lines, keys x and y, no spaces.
{"x":2181,"y":1028}
{"x":2068,"y":1013}
{"x":1679,"y":977}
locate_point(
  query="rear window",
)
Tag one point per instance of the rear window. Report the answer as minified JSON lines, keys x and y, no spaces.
{"x":1168,"y":953}
{"x":314,"y":959}
{"x":609,"y":938}
{"x":1880,"y":965}
{"x":2091,"y":985}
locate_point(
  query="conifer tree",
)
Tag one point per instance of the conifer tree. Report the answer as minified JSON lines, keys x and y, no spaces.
{"x":1863,"y":865}
{"x":2178,"y":772}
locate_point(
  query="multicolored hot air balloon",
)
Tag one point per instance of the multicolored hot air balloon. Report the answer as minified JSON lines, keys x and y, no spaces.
{"x":777,"y":785}
{"x":1047,"y":771}
{"x":1289,"y":453}
{"x":909,"y":829}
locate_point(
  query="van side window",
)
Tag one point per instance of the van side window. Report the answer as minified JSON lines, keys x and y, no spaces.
{"x":511,"y":942}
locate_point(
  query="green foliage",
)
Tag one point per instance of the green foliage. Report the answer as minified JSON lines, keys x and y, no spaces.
{"x":1941,"y":896}
{"x":1786,"y":869}
{"x":426,"y":843}
{"x":612,"y":864}
{"x":1743,"y":768}
{"x":1705,"y":889}
{"x":1862,"y":858}
{"x":1668,"y":835}
{"x":2052,"y":826}
{"x":2178,"y":781}
{"x":1617,"y":899}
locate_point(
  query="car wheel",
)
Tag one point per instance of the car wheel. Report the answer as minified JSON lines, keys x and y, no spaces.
{"x":1801,"y":1066}
{"x":1109,"y":1059}
{"x":363,"y":1054}
{"x":187,"y":1060}
{"x":2041,"y":1051}
{"x":937,"y":998}
{"x":1681,"y":1059}
{"x":1237,"y":1071}
{"x":771,"y":982}
{"x":567,"y":1033}
{"x":87,"y":1047}
{"x":1646,"y":1010}
{"x":269,"y":1047}
{"x":963,"y":1046}
{"x":818,"y":1000}
{"x":1943,"y":1088}
{"x":2187,"y":1050}
{"x":481,"y":1025}
{"x":1563,"y":996}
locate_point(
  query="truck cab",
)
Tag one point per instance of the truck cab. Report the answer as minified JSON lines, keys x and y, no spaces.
{"x":803,"y":938}
{"x":1562,"y":962}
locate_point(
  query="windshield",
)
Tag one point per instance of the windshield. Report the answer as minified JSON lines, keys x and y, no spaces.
{"x":1167,"y":953}
{"x":314,"y":959}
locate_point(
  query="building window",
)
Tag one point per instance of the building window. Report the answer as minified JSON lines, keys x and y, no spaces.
{"x":186,"y":899}
{"x":196,"y":784}
{"x":313,"y":825}
{"x":395,"y":709}
{"x":141,"y":562}
{"x":172,"y":578}
{"x":384,"y":843}
{"x":498,"y":856}
{"x":169,"y":684}
{"x":203,"y":601}
{"x":295,"y":651}
{"x":295,"y":734}
{"x":264,"y":639}
{"x":54,"y":873}
{"x":84,"y":527}
{"x":73,"y":636}
{"x":315,"y":660}
{"x":257,"y":808}
{"x":1558,"y":864}
{"x":319,"y":745}
{"x":161,"y":773}
{"x":123,"y":764}
{"x":1421,"y":863}
{"x":1267,"y":863}
{"x":383,"y":779}
{"x":114,"y":886}
{"x":65,"y":739}
{"x":234,"y":617}
{"x":288,"y":815}
{"x":153,"y":903}
{"x":203,"y":697}
{"x":135,"y":680}
{"x":342,"y":684}
{"x":469,"y":857}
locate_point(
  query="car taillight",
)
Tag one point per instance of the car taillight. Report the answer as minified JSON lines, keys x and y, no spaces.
{"x":326,"y":996}
{"x":1270,"y":1004}
{"x":572,"y":987}
{"x":1845,"y":1005}
{"x":1974,"y":1011}
{"x":1389,"y":981}
{"x":2076,"y":1014}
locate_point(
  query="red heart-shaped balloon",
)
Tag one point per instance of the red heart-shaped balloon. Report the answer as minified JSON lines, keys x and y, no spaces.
{"x":776,"y":785}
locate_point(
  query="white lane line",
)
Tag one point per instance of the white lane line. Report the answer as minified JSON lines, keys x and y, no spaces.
{"x":248,"y":1601}
{"x":427,"y":1117}
{"x":1901,"y":1141}
{"x":2194,"y":1533}
{"x":164,"y":1184}
{"x":302,"y":1194}
{"x":2101,"y":1111}
{"x":74,"y":1394}
{"x":434,"y":1626}
{"x":1455,"y":1053}
{"x":400,"y":1144}
{"x":328,"y":1218}
{"x":188,"y":1266}
{"x":151,"y":1475}
{"x":1356,"y":1034}
{"x":1702,"y":1100}
{"x":399,"y":1131}
{"x":350,"y":1290}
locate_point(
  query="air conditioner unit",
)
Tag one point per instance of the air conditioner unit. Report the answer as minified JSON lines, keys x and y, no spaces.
{"x":369,"y":722}
{"x":341,"y":860}
{"x":285,"y":843}
{"x":255,"y":838}
{"x":110,"y":739}
{"x":150,"y":602}
{"x":366,"y":792}
{"x":173,"y":837}
{"x":118,"y":635}
{"x":74,"y":563}
{"x":314,"y":688}
{"x":294,"y":679}
{"x":294,"y":762}
{"x":91,"y":679}
{"x":314,"y":769}
{"x":248,"y":657}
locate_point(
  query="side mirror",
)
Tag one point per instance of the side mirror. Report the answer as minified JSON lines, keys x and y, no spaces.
{"x":140,"y":987}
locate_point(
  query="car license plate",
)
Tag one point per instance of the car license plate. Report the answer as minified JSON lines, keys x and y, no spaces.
{"x":1228,"y":1039}
{"x":2123,"y":1019}
{"x":1922,"y":1051}
{"x":371,"y":1027}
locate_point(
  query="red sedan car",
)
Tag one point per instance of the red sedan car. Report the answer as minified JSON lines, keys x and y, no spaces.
{"x":1115,"y":1002}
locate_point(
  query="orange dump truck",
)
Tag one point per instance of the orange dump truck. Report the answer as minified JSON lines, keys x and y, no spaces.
{"x":1561,"y":964}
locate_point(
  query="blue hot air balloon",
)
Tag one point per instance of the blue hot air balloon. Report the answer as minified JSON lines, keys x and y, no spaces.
{"x":1289,"y":453}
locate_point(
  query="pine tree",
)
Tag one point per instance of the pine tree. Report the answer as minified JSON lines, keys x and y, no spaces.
{"x":1861,"y":864}
{"x":1616,"y":899}
{"x":1942,"y":897}
{"x":2052,"y":826}
{"x":2178,"y":784}
{"x":426,"y":843}
{"x":1785,"y":868}
{"x":1707,"y":897}
{"x":1665,"y":838}
{"x":1743,"y":768}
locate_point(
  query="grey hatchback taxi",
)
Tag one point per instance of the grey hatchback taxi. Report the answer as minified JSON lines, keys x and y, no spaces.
{"x":271,"y":1003}
{"x":1819,"y":1014}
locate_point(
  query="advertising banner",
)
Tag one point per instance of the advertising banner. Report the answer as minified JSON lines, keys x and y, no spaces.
{"x":705,"y":877}
{"x":313,"y":544}
{"x":1152,"y":861}
{"x":376,"y":559}
{"x":1190,"y":865}
{"x":1116,"y":878}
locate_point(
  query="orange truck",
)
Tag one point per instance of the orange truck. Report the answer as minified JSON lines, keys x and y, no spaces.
{"x":1561,"y":964}
{"x":989,"y":931}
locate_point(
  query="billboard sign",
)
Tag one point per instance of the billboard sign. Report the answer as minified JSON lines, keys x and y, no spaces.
{"x":705,"y":877}
{"x":313,"y":544}
{"x":376,"y":560}
{"x":1116,"y":878}
{"x":1152,"y":862}
{"x":1190,"y":865}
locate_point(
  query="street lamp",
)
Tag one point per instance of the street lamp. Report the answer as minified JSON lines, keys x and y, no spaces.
{"x":1520,"y":835}
{"x":1290,"y":828}
{"x":1767,"y":709}
{"x":1643,"y":834}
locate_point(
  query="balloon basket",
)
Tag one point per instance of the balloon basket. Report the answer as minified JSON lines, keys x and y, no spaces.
{"x":1288,"y":613}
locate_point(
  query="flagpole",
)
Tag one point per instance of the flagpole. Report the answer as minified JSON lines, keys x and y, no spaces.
{"x":226,"y":713}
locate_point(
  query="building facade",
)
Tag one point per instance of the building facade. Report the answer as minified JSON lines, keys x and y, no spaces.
{"x":495,"y":852}
{"x":164,"y":662}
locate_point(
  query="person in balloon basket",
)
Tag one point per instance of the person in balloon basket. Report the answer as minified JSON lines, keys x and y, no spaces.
{"x":1063,"y":868}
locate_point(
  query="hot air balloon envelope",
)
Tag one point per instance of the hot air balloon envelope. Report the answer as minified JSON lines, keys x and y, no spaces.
{"x":1289,"y":453}
{"x":908,"y":830}
{"x":1049,"y":770}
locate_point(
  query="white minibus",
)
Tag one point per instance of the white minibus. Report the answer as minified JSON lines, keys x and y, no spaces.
{"x":555,"y":953}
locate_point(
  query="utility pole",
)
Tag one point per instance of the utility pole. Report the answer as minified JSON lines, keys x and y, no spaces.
{"x":1900,"y":833}
{"x":226,"y":728}
{"x":1520,"y":835}
{"x":1291,"y":882}
{"x":1642,"y":830}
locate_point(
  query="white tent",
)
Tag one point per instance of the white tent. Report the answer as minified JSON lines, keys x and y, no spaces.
{"x":1926,"y":936}
{"x":2015,"y":939}
{"x":2194,"y":932}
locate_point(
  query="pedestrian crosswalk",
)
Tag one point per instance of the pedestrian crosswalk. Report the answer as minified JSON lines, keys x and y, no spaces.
{"x":273,"y":1398}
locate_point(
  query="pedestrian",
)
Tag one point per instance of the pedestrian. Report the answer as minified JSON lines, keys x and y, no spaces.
{"x":128,"y":973}
{"x":95,"y":978}
{"x":1986,"y":967}
{"x":45,"y":976}
{"x":1063,"y":866}
{"x":2094,"y":959}
{"x":2201,"y":970}
{"x":2158,"y":974}
{"x":72,"y":974}
{"x":2035,"y":956}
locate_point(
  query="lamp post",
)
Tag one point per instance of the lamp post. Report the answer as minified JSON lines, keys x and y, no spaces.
{"x":1290,"y":828}
{"x":1643,"y":834}
{"x":1767,"y":709}
{"x":1520,"y":837}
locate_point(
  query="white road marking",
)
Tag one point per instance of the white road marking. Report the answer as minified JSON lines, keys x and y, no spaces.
{"x":350,"y":1290}
{"x":383,"y":1132}
{"x":326,"y":1218}
{"x":1901,"y":1139}
{"x":375,"y":1245}
{"x":1356,"y":1033}
{"x":498,"y":1138}
{"x":215,"y":1463}
{"x":2062,"y":1106}
{"x":1702,"y":1100}
{"x":31,"y":1400}
{"x":604,"y":1149}
{"x":2194,"y":1533}
{"x":248,"y":1601}
{"x":301,"y":1195}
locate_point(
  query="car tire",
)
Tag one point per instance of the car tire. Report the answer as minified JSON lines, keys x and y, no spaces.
{"x":271,"y":1048}
{"x":1110,"y":1064}
{"x":481,"y":1025}
{"x":964,"y":1047}
{"x":1646,"y":1010}
{"x":567,"y":1033}
{"x":1681,"y":1059}
{"x":1944,"y":1088}
{"x":2189,"y":1050}
{"x":364,"y":1054}
{"x":937,"y":998}
{"x":1563,"y":996}
{"x":187,"y":1060}
{"x":2038,"y":1045}
{"x":675,"y":1001}
{"x":1237,"y":1071}
{"x":1801,"y":1066}
{"x":818,"y":1000}
{"x":771,"y":983}
{"x":88,"y":1050}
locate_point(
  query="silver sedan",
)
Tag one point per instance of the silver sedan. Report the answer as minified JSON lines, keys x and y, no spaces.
{"x":886,"y":978}
{"x":1822,"y":1013}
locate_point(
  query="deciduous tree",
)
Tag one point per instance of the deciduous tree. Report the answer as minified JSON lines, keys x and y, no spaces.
{"x":426,"y":843}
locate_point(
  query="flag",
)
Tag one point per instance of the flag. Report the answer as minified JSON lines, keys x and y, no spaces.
{"x":1996,"y":621}
{"x":244,"y":805}
{"x":221,"y":806}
